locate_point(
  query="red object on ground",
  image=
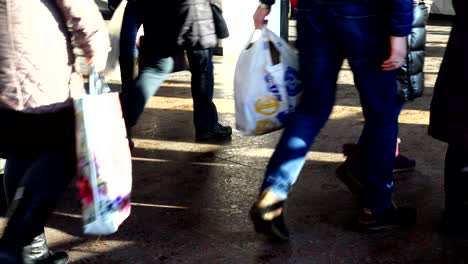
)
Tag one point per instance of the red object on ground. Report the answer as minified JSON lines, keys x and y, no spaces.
{"x":294,"y":3}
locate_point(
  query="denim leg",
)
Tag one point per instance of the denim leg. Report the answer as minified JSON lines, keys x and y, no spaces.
{"x":367,"y":46}
{"x":205,"y":115}
{"x":320,"y":61}
{"x":154,"y":72}
{"x":132,"y":20}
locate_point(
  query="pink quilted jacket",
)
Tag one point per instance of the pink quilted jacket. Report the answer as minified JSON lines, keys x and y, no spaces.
{"x":36,"y":58}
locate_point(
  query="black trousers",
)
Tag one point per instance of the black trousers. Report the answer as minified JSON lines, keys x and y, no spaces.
{"x":41,"y":160}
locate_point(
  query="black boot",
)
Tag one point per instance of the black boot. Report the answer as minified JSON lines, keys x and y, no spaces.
{"x":25,"y":223}
{"x":38,"y":252}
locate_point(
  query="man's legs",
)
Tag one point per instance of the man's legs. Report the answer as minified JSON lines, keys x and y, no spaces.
{"x":367,"y":46}
{"x":205,"y":115}
{"x":320,"y":61}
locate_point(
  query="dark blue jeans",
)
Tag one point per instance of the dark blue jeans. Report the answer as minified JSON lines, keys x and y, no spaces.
{"x":205,"y":114}
{"x":327,"y":34}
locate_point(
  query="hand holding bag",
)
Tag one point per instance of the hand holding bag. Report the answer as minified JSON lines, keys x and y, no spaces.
{"x":104,"y":162}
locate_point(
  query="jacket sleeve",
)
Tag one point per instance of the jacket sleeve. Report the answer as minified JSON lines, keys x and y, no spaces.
{"x":401,"y":17}
{"x":87,"y":26}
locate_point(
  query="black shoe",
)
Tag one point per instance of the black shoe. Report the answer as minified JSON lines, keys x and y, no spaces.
{"x":219,"y":133}
{"x":275,"y":228}
{"x":403,"y":163}
{"x":392,"y":217}
{"x":345,"y":175}
{"x":350,"y":172}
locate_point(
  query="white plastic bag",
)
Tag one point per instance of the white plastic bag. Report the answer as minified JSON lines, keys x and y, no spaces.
{"x":265,"y":94}
{"x":104,"y":178}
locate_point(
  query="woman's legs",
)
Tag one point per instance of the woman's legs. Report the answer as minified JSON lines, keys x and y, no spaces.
{"x":38,"y":171}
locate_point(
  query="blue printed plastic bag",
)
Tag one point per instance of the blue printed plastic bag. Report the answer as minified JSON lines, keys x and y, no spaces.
{"x":265,"y":92}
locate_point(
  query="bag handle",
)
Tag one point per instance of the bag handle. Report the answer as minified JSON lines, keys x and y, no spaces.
{"x":97,"y":84}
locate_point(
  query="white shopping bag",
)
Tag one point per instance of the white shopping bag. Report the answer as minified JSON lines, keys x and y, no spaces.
{"x":104,"y":179}
{"x":266,"y":91}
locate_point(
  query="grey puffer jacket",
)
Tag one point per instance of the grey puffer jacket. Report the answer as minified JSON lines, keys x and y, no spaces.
{"x":411,"y":74}
{"x":36,"y":56}
{"x":198,"y":28}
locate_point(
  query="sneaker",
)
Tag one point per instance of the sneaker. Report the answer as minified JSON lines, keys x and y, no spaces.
{"x":403,"y":163}
{"x":392,"y":217}
{"x":273,"y":228}
{"x":219,"y":133}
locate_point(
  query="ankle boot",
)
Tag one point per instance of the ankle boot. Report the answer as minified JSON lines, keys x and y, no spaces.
{"x":38,"y":252}
{"x":38,"y":249}
{"x":29,"y":212}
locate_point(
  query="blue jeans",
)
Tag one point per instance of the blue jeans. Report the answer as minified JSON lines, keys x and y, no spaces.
{"x":327,"y":34}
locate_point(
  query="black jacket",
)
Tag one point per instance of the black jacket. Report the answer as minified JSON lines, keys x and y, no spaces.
{"x":449,"y":107}
{"x":411,"y":75}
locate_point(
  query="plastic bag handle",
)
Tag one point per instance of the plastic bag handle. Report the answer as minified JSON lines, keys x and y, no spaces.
{"x":96,"y":79}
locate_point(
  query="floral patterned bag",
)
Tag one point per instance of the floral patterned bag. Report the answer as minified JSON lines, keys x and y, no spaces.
{"x":104,"y":167}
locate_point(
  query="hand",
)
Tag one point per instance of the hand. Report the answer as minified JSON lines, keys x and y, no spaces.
{"x":398,"y":52}
{"x":259,"y":17}
{"x":99,"y":62}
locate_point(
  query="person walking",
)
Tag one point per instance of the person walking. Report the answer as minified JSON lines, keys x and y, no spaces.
{"x":372,"y":36}
{"x":37,"y":83}
{"x":191,"y":25}
{"x":410,"y":86}
{"x":448,"y":121}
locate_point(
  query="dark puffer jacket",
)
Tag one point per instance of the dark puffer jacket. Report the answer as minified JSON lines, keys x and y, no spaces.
{"x":411,"y":75}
